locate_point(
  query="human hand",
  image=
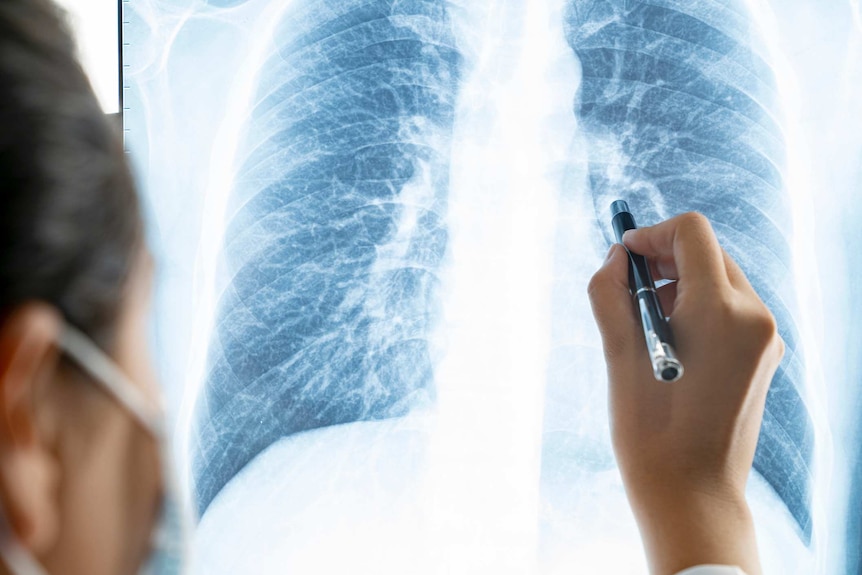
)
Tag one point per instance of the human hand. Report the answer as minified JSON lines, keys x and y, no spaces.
{"x":685,"y":449}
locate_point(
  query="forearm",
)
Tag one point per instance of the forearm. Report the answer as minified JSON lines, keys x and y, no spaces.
{"x":679,"y":533}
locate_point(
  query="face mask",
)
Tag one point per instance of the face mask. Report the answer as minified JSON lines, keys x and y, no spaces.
{"x":169,"y":539}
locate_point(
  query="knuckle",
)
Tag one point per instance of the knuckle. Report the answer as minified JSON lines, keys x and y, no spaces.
{"x":767,"y":324}
{"x":763,"y":328}
{"x":782,"y":349}
{"x":721,"y":310}
{"x":695,"y":220}
{"x":694,"y":224}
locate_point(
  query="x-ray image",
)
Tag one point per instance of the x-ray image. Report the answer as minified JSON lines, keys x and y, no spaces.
{"x":376,"y":221}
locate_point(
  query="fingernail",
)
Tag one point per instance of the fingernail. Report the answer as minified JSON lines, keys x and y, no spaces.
{"x":611,"y":252}
{"x":626,"y":234}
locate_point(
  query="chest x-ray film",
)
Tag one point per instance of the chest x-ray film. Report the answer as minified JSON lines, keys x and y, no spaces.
{"x":376,"y":221}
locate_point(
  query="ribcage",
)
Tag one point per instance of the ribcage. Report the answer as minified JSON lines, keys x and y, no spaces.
{"x":679,"y":111}
{"x":335,"y":231}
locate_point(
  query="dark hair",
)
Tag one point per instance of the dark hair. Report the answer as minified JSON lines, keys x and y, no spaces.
{"x":69,"y":216}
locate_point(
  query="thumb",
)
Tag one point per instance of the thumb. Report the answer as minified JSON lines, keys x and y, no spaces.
{"x":612,"y":305}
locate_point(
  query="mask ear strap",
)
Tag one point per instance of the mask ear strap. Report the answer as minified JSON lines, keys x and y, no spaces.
{"x":101,"y":368}
{"x":16,"y":558}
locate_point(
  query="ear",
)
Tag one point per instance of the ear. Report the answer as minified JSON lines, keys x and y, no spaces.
{"x":28,"y":466}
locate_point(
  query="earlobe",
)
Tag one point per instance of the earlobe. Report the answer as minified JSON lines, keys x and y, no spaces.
{"x":28,"y":467}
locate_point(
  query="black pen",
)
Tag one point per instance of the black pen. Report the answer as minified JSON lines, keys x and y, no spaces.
{"x":659,"y":338}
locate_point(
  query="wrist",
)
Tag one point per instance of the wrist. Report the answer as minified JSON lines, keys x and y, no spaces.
{"x":682,"y":529}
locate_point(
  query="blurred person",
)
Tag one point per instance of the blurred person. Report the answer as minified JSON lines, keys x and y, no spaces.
{"x":83,"y":486}
{"x":685,"y":449}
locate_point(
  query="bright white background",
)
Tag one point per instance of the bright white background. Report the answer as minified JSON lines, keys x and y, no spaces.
{"x":95,"y":25}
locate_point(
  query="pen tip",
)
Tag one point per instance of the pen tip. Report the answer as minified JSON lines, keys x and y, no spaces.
{"x":619,"y":207}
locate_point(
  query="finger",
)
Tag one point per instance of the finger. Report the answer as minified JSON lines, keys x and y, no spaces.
{"x":611,"y":302}
{"x":684,"y":248}
{"x":667,"y":297}
{"x":663,"y":270}
{"x":735,"y":274}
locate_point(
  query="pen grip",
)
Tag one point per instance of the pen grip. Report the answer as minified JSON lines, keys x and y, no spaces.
{"x":622,"y":222}
{"x":639,"y":273}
